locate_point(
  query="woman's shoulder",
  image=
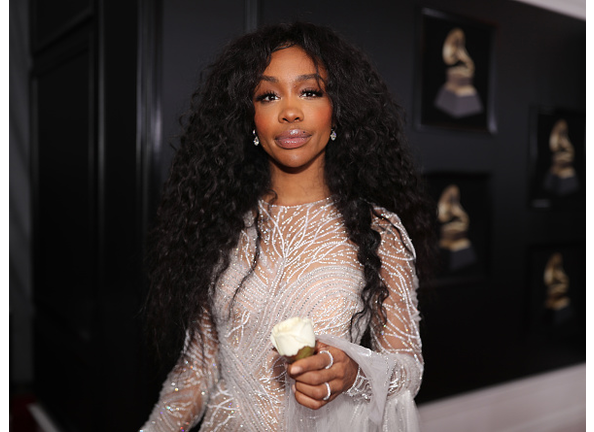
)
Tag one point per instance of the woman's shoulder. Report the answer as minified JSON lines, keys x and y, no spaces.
{"x":391,"y":228}
{"x":386,"y":220}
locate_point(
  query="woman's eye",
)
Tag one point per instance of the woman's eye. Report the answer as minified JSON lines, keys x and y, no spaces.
{"x":312,"y":93}
{"x":266,"y":97}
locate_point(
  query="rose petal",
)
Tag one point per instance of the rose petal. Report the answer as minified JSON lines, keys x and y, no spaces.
{"x":289,"y":336}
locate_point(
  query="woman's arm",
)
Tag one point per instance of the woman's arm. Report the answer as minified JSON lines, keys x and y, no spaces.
{"x":183,"y":398}
{"x":398,"y":339}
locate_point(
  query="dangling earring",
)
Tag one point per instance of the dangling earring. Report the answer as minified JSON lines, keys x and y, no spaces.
{"x":332,"y":134}
{"x":256,"y":139}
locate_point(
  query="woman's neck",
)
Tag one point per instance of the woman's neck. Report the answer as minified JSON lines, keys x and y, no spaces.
{"x":293,"y":188}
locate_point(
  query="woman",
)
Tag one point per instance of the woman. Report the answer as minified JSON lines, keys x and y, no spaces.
{"x":292,"y":194}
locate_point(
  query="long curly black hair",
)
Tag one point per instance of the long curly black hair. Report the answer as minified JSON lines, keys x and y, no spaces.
{"x":218,"y":175}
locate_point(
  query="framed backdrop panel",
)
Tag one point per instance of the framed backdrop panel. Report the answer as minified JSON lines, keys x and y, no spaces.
{"x":454,"y":88}
{"x":557,"y":294}
{"x":557,"y":159}
{"x":463,"y":229}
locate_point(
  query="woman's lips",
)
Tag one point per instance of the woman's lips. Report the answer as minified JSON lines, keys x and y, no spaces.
{"x":292,"y":138}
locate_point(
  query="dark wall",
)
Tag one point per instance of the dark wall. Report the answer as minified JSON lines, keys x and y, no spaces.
{"x":192,"y":35}
{"x":89,"y":365}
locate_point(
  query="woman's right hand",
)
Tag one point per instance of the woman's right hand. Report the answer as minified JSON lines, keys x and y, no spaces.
{"x":320,"y":378}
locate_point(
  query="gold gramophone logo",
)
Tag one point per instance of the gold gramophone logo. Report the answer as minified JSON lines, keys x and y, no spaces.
{"x":557,"y":283}
{"x":458,"y":97}
{"x":561,"y":178}
{"x":453,"y":235}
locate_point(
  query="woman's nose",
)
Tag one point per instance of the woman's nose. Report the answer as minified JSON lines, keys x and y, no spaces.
{"x":290,"y":112}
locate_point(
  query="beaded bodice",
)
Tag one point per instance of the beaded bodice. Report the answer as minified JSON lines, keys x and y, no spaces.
{"x":306,"y":266}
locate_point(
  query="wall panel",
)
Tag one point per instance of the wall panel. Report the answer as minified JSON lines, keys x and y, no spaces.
{"x":65,"y":227}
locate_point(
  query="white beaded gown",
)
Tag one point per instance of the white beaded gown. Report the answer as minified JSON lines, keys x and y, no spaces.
{"x":307,"y":267}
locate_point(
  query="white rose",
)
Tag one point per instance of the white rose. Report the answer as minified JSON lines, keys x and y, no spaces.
{"x":294,"y":338}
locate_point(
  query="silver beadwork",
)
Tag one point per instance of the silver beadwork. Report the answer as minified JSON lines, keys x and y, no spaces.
{"x":306,"y":262}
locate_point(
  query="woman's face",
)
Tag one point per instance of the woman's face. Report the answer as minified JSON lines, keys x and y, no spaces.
{"x":293,"y":114}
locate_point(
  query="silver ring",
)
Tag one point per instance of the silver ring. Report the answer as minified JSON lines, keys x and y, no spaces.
{"x":329,"y":392}
{"x":331,"y":358}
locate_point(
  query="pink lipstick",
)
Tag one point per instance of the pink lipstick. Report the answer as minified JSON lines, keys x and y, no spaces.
{"x":293,"y":138}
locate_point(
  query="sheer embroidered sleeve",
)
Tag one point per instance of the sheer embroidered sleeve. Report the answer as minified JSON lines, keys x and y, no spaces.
{"x":184,"y":394}
{"x":398,"y":340}
{"x":400,"y":336}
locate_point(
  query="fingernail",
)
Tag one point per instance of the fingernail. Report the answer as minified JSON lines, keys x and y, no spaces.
{"x":293,"y":388}
{"x":295,"y":370}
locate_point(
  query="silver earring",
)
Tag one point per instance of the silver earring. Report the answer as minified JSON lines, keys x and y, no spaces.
{"x":332,"y":134}
{"x":256,"y":139}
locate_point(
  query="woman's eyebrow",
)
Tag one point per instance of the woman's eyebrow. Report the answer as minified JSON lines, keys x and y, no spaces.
{"x":299,"y":78}
{"x":307,"y":77}
{"x":269,"y":79}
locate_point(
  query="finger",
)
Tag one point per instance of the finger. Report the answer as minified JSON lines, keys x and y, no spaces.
{"x":308,"y":402}
{"x":316,"y":377}
{"x":330,"y":358}
{"x":321,"y":346}
{"x":312,"y":363}
{"x":328,"y":350}
{"x":320,"y":393}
